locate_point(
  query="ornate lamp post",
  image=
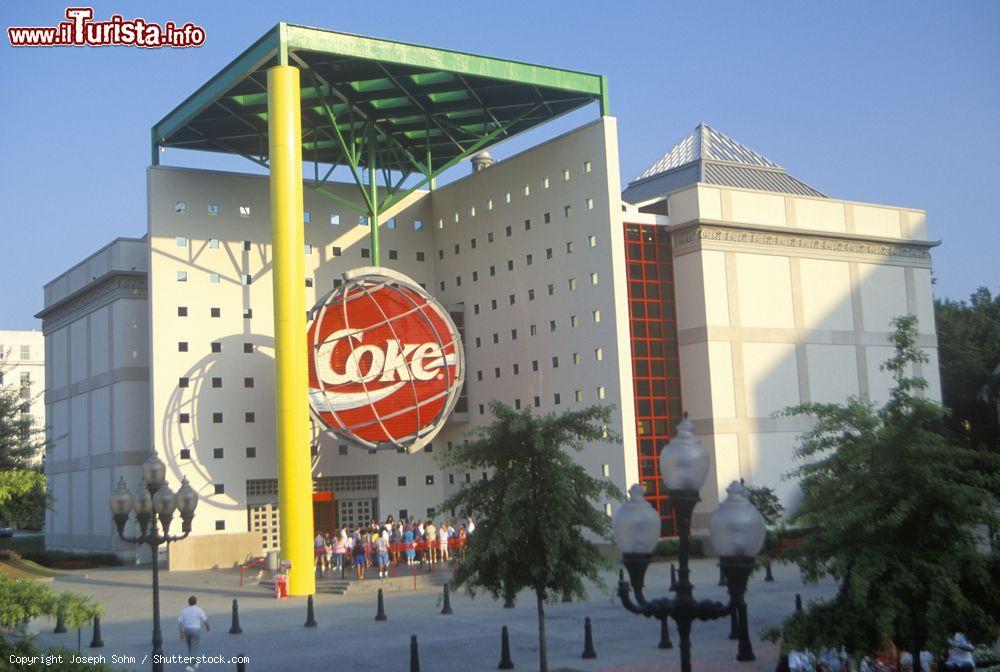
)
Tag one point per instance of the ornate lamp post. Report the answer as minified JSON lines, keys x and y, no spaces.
{"x":154,"y":503}
{"x":737,"y":531}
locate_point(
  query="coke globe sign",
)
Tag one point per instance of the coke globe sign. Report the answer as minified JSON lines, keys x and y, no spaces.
{"x":385,"y":361}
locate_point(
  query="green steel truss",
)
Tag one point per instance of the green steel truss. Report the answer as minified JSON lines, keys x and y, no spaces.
{"x":387,"y":110}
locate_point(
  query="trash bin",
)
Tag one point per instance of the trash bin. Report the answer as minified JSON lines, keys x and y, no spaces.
{"x":281,"y":586}
{"x":272,"y":562}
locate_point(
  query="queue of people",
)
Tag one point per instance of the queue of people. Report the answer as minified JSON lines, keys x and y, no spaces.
{"x":385,"y":545}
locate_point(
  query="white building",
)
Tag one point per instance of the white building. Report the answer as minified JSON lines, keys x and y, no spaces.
{"x":22,"y":369}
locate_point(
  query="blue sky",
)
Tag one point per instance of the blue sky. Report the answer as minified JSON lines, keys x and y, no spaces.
{"x":887,"y":102}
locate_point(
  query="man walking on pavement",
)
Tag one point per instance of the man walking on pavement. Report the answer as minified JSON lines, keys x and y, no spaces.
{"x":190,"y":622}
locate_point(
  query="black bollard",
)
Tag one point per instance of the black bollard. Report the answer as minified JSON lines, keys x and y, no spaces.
{"x":96,"y":642}
{"x":60,"y":624}
{"x":380,"y":616}
{"x":310,"y":614}
{"x":505,"y":662}
{"x":734,"y":624}
{"x":414,"y":655}
{"x":673,"y":577}
{"x":509,"y":602}
{"x":588,"y":640}
{"x":722,"y":576}
{"x":665,"y":642}
{"x":446,"y":610}
{"x":235,"y":628}
{"x":241,"y":665}
{"x":798,"y":602}
{"x":567,"y":597}
{"x":768,"y":576}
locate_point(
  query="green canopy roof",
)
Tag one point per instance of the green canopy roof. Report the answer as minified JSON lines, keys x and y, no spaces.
{"x":424,"y":109}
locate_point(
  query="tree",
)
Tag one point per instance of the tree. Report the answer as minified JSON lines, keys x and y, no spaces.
{"x":535,"y":511}
{"x":23,"y":497}
{"x":24,"y":599}
{"x":890,"y":509}
{"x":969,"y":350}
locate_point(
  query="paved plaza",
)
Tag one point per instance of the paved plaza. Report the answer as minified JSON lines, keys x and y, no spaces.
{"x":348,"y":637}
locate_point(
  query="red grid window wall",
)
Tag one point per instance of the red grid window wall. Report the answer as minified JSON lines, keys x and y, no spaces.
{"x":655,"y":363}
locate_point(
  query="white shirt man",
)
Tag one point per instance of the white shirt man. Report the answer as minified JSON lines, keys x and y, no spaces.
{"x":470,"y":526}
{"x":190,"y":622}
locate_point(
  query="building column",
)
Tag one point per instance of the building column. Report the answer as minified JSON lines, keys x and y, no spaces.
{"x":284,"y":126}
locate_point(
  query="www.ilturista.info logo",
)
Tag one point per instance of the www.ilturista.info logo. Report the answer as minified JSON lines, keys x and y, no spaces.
{"x":81,"y":31}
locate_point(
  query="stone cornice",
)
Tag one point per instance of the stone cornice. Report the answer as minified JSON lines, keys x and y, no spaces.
{"x":110,"y":286}
{"x":701,"y":235}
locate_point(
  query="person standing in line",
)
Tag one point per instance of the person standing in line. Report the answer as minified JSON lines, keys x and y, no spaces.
{"x":443,"y":542}
{"x":470,"y":526}
{"x":408,"y":541}
{"x":359,"y":553}
{"x":190,"y":622}
{"x":382,"y":554}
{"x":430,"y":532}
{"x":318,"y":544}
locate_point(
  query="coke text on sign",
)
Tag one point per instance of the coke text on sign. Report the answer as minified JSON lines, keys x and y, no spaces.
{"x":386,"y":362}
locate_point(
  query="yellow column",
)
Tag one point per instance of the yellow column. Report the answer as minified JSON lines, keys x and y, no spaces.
{"x":291,"y":398}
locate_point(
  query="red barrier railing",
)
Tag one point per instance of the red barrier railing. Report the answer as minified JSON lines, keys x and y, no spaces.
{"x":253,"y":562}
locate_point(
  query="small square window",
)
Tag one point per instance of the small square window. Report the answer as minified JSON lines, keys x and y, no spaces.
{"x":440,"y":223}
{"x":218,"y":453}
{"x":182,"y":346}
{"x":251,"y":451}
{"x":534,"y":365}
{"x":216,"y":346}
{"x":527,"y":225}
{"x":496,"y":338}
{"x":391,"y":223}
{"x":245,"y":211}
{"x":248,"y":382}
{"x":180,"y":206}
{"x":556,"y":399}
{"x":493,"y":271}
{"x":565,"y":175}
{"x":334,"y":219}
{"x":537,"y":401}
{"x":597,"y":316}
{"x":342,"y":449}
{"x":336,"y":251}
{"x":493,"y":304}
{"x":479,"y":375}
{"x":185,"y":453}
{"x":593,"y":279}
{"x":567,"y":211}
{"x":555,"y":362}
{"x":184,"y":418}
{"x":458,"y":280}
{"x":441,"y":285}
{"x":248,"y":348}
{"x":365,"y":253}
{"x":250,"y":417}
{"x":307,"y":248}
{"x":246,"y":245}
{"x":472,"y":244}
{"x":589,"y":202}
{"x":548,"y":252}
{"x":307,"y":216}
{"x":533,"y":329}
{"x":309,"y":282}
{"x":489,"y":236}
{"x":572,"y":284}
{"x":592,"y":240}
{"x":598,"y":354}
{"x":578,"y":395}
{"x":429,"y":448}
{"x":531,"y":295}
{"x":569,"y":247}
{"x":182,"y":276}
{"x":552,"y":325}
{"x":220,"y":525}
{"x":545,"y":183}
{"x":475,"y":309}
{"x":213,"y":243}
{"x":183,"y":381}
{"x":489,"y":203}
{"x":551,"y":289}
{"x":217,"y":418}
{"x":454,"y":217}
{"x":547,"y":218}
{"x":247,"y":313}
{"x":506,"y":197}
{"x":516,"y":368}
{"x":508,"y":231}
{"x":181,"y":241}
{"x":576,"y":357}
{"x":429,"y":480}
{"x":496,"y":372}
{"x":586,"y":166}
{"x":511,"y":299}
{"x":526,"y":190}
{"x":440,"y":254}
{"x":420,"y":256}
{"x":510,"y":264}
{"x":475,"y":276}
{"x":513,"y":334}
{"x":517,"y":404}
{"x":573,"y":321}
{"x":417,"y":225}
{"x":431,"y":511}
{"x":479,"y":342}
{"x":247,"y":279}
{"x":213,"y":208}
{"x":215,"y":312}
{"x":182,"y":311}
{"x":393,"y":255}
{"x":600,"y":392}
{"x":528,"y":259}
{"x":214,"y":278}
{"x":337,"y":282}
{"x":401,"y":481}
{"x":216,"y":382}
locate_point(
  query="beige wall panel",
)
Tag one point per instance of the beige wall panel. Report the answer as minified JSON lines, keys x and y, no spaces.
{"x":709,"y":203}
{"x":771,"y":377}
{"x":79,"y":429}
{"x":59,"y":429}
{"x":916,"y":224}
{"x":875,"y":221}
{"x":932,"y":374}
{"x":751,"y":207}
{"x":883,"y":295}
{"x":690,"y":291}
{"x":772,"y":455}
{"x":716,"y":293}
{"x":924,"y":295}
{"x":130,"y":322}
{"x":99,"y":351}
{"x":683,"y":206}
{"x":100,"y":482}
{"x":100,"y":413}
{"x":726,"y":461}
{"x":819,"y":214}
{"x":59,"y":487}
{"x":696,"y":382}
{"x":879,"y":382}
{"x":78,"y":352}
{"x":79,"y":514}
{"x":833,"y":373}
{"x":826,"y":294}
{"x":131,"y":411}
{"x":57,"y":366}
{"x":765,"y":291}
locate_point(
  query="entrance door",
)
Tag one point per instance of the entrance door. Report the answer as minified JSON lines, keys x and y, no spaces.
{"x":324,"y":512}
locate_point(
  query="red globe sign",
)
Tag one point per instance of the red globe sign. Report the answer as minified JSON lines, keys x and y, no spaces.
{"x":386,"y":363}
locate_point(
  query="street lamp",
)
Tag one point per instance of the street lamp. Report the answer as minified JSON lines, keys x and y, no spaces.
{"x":736,"y":528}
{"x":154,"y":502}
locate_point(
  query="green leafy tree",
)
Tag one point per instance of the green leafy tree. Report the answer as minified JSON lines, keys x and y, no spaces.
{"x":535,"y":512}
{"x":24,"y":599}
{"x":969,"y":351}
{"x":890,"y":510}
{"x":23,"y":497}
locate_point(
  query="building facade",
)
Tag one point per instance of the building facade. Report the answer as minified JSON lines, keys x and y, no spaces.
{"x":717,"y":284}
